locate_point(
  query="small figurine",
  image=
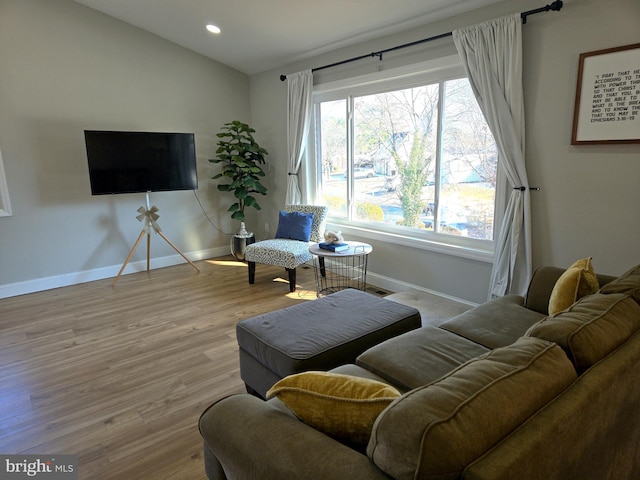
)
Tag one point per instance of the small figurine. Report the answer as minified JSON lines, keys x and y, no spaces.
{"x":333,"y":237}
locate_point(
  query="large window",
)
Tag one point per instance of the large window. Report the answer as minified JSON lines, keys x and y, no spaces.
{"x":412,"y":157}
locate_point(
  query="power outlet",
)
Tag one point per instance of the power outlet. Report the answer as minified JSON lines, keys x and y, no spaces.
{"x":266,"y":228}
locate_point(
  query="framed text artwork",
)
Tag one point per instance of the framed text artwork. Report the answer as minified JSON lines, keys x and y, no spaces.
{"x":607,"y":106}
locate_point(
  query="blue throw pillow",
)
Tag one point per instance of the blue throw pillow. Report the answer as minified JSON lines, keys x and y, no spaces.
{"x":295,"y":226}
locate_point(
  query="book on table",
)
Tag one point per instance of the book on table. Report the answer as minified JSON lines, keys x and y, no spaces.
{"x":334,"y":247}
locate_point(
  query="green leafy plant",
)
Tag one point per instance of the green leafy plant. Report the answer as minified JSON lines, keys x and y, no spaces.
{"x":241,"y":157}
{"x":369,"y":211}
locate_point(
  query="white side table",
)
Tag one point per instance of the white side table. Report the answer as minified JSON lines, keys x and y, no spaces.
{"x":335,"y":271}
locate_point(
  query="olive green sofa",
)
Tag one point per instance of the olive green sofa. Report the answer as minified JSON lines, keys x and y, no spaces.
{"x":501,"y":391}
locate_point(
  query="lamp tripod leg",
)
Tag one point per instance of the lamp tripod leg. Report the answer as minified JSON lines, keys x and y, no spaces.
{"x":177,"y":250}
{"x":148,"y":248}
{"x":151,"y":217}
{"x":131,"y":252}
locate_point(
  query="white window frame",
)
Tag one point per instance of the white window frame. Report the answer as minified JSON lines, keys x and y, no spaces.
{"x":433,"y":71}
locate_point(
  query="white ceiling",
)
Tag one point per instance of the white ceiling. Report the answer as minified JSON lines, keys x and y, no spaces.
{"x":260,"y":35}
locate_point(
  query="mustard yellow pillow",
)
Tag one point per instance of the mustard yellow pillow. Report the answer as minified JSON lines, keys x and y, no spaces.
{"x":576,"y":282}
{"x":342,"y":406}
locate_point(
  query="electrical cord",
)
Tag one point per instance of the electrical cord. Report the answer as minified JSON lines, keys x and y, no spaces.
{"x":195,"y":194}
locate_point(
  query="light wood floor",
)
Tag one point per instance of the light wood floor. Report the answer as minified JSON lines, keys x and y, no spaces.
{"x":119,"y":375}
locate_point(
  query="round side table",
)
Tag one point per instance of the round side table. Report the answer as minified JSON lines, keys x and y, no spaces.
{"x":335,"y":271}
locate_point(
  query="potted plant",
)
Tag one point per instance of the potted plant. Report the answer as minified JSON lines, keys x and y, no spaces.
{"x":241,"y":159}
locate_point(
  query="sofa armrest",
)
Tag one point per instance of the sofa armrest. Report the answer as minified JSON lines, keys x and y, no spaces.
{"x":253,"y":439}
{"x":541,"y":285}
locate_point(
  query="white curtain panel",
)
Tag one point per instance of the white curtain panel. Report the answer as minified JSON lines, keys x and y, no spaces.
{"x":5,"y":205}
{"x":491,"y":53}
{"x":299,"y":105}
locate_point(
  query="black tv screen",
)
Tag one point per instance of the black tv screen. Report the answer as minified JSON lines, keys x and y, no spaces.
{"x":131,"y":162}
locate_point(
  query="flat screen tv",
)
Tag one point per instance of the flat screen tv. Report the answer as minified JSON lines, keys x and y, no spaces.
{"x":131,"y":162}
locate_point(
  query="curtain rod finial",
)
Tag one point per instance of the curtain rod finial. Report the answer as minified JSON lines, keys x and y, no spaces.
{"x":283,"y":78}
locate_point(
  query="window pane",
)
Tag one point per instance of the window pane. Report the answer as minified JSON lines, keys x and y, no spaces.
{"x":333,"y":155}
{"x":469,"y":166}
{"x":394,"y":155}
{"x":394,"y":159}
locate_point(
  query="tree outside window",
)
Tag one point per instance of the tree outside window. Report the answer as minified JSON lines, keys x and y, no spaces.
{"x":418,"y":159}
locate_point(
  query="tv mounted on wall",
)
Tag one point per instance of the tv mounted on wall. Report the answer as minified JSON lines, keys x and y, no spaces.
{"x":131,"y":162}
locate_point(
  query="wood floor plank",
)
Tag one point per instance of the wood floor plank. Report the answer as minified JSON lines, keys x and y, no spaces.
{"x":120,"y":375}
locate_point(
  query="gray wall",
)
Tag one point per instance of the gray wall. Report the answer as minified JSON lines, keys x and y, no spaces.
{"x":589,"y":195}
{"x":65,"y":68}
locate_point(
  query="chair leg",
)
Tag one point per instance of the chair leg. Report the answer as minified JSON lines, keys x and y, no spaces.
{"x":292,"y":279}
{"x":252,"y":272}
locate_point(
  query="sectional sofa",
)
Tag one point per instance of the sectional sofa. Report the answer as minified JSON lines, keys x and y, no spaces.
{"x":501,"y":391}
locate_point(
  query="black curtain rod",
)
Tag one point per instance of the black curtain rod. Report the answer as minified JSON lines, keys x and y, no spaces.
{"x":554,"y":6}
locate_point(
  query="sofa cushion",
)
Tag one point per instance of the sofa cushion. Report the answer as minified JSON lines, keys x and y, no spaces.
{"x":434,"y":431}
{"x":341,"y":406}
{"x":628,"y":283}
{"x":494,"y":324}
{"x":577,"y":281}
{"x":419,"y":357}
{"x":592,"y":327}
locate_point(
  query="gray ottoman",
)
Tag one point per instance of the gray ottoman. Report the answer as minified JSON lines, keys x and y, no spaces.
{"x":317,"y":335}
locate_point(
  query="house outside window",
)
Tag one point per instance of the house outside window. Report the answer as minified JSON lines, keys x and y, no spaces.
{"x":409,"y":155}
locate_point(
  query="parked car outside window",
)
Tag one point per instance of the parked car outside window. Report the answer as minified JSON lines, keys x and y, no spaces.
{"x":364,"y":172}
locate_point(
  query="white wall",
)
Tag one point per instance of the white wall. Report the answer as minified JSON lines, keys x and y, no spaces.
{"x":588,"y":203}
{"x":65,"y":68}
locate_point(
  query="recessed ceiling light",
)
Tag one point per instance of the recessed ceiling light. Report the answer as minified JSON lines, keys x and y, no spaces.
{"x":213,"y":29}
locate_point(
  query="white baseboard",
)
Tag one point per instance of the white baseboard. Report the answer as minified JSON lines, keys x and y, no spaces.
{"x":74,"y":278}
{"x":64,"y":280}
{"x":395,"y":285}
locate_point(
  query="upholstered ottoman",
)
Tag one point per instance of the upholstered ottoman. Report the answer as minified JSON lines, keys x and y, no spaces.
{"x":317,"y":335}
